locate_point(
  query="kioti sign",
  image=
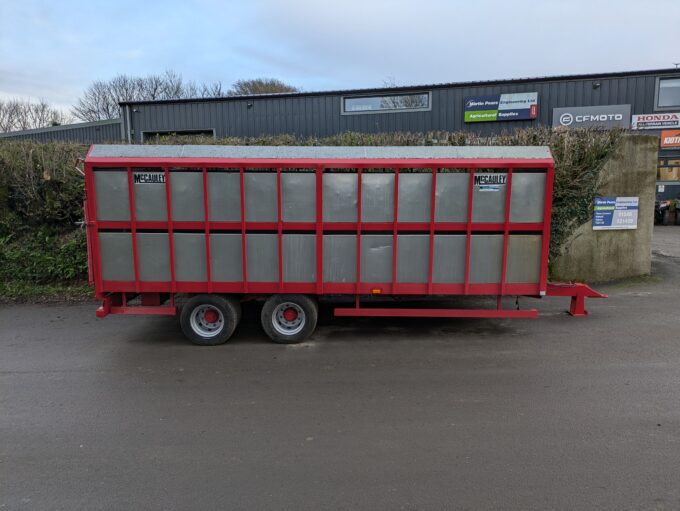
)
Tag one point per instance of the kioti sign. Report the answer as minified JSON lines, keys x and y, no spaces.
{"x":670,"y":138}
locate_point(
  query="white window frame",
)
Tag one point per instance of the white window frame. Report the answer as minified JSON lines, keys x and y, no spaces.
{"x":387,"y":110}
{"x":657,"y":87}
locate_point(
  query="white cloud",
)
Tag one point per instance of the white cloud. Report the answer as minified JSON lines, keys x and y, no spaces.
{"x":53,"y":52}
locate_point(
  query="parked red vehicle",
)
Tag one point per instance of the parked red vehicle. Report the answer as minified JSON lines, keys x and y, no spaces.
{"x":288,"y":225}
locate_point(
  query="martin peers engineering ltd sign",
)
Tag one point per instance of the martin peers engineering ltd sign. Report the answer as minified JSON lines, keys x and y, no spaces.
{"x":610,"y":116}
{"x":522,"y":106}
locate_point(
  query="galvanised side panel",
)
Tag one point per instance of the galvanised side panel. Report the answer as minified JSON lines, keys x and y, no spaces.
{"x":115,"y":250}
{"x":154,"y":256}
{"x":226,"y":258}
{"x":524,"y":259}
{"x":299,"y":257}
{"x":262,"y":257}
{"x":187,"y":195}
{"x":298,"y":196}
{"x":112,"y":196}
{"x":150,"y":200}
{"x":376,"y":258}
{"x":261,"y":197}
{"x":413,"y":258}
{"x":451,"y":201}
{"x":415,"y":193}
{"x":340,"y":197}
{"x":340,"y":258}
{"x":190,"y":260}
{"x":527,"y":197}
{"x":224,"y":196}
{"x":377,"y":197}
{"x":448,"y":264}
{"x":486,"y":257}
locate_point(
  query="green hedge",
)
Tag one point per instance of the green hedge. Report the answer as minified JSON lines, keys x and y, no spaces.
{"x":41,"y":192}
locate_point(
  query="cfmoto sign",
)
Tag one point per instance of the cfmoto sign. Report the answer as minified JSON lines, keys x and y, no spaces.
{"x":566,"y":119}
{"x":609,"y":116}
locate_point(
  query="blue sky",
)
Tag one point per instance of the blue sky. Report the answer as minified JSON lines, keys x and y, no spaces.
{"x":52,"y":50}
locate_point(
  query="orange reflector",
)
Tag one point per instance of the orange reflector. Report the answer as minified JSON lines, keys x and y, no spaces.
{"x":376,"y":291}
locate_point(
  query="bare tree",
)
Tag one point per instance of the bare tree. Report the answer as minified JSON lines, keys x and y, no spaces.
{"x":17,"y":114}
{"x":260,"y":86}
{"x":400,"y":101}
{"x":101,"y":99}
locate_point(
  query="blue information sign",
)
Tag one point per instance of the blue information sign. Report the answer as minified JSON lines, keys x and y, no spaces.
{"x":611,"y":213}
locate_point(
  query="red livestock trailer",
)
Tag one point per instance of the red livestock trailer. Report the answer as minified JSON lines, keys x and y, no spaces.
{"x":287,"y":225}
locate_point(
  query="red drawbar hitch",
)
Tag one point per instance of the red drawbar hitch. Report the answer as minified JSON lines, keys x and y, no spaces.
{"x":578,"y":293}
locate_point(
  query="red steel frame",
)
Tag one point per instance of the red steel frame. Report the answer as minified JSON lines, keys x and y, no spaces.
{"x":116,"y":293}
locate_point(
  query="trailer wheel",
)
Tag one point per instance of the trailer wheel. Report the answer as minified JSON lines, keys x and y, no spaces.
{"x":209,"y":320}
{"x":288,"y":319}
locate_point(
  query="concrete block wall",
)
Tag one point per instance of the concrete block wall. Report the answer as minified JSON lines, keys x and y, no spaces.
{"x":599,"y":256}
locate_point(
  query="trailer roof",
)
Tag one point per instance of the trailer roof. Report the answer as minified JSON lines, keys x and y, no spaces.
{"x":321,"y":153}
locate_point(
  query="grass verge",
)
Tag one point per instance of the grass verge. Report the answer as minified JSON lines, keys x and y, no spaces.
{"x":22,"y":292}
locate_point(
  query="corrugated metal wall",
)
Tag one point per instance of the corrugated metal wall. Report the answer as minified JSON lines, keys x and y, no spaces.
{"x":82,"y":133}
{"x":320,"y":115}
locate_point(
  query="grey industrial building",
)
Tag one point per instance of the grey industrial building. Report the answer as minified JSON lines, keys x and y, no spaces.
{"x":404,"y":109}
{"x":96,"y":132}
{"x":488,"y":107}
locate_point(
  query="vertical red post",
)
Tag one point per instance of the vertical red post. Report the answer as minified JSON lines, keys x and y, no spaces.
{"x":319,"y":229}
{"x":171,"y":236}
{"x":358,"y":286}
{"x":545,"y":239}
{"x":506,"y":231}
{"x":133,"y":228}
{"x":468,"y":231}
{"x":433,"y":197}
{"x":395,"y":219}
{"x":206,"y":214}
{"x":279,"y":231}
{"x":244,"y":248}
{"x":91,"y":223}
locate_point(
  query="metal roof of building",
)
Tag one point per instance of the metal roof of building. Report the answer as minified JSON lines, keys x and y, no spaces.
{"x":330,"y":152}
{"x":407,"y":88}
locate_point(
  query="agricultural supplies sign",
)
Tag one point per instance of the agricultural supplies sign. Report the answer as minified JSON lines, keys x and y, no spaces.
{"x":613,"y":213}
{"x":611,"y":116}
{"x":656,"y":121}
{"x":501,"y":107}
{"x":670,"y":138}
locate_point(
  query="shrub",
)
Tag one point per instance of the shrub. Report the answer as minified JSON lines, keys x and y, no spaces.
{"x":41,"y":193}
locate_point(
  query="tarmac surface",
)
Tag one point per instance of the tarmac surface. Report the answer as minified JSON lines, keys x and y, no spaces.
{"x":553,"y":413}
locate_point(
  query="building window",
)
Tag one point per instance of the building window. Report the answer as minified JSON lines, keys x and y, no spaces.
{"x":668,"y":93}
{"x":386,"y":103}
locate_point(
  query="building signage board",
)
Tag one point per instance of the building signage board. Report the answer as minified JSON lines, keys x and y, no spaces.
{"x":656,"y":121}
{"x":521,"y":106}
{"x":608,"y":116}
{"x":670,"y":138}
{"x":615,"y":213}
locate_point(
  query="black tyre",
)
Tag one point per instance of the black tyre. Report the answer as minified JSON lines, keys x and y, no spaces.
{"x":288,"y":319}
{"x":664,"y":219}
{"x":209,"y":320}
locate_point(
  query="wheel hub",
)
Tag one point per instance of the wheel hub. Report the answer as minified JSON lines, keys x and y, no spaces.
{"x":290,"y":314}
{"x":288,"y":318}
{"x":211,"y":316}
